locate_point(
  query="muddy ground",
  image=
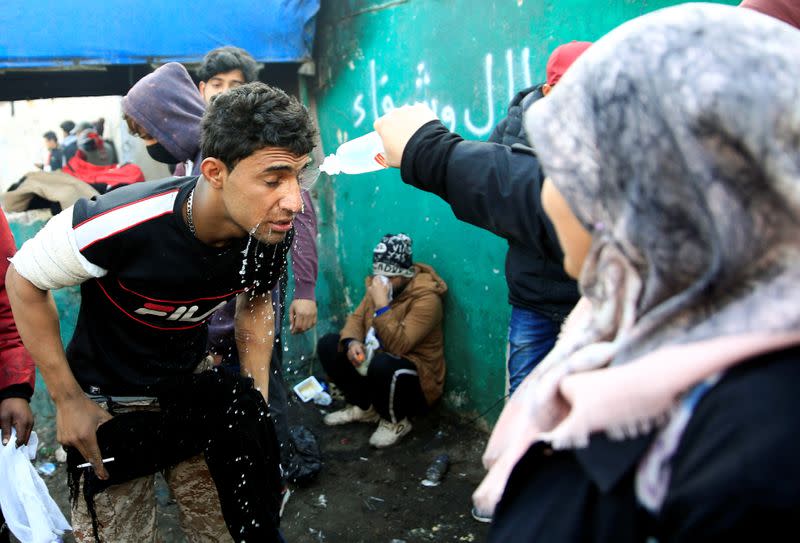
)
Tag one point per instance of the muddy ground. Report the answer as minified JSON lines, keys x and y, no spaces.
{"x":362,"y":494}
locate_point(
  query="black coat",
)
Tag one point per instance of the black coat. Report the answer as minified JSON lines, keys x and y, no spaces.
{"x":498,"y":188}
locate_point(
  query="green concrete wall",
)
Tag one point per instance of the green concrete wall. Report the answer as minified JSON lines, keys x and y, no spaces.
{"x":466,"y":59}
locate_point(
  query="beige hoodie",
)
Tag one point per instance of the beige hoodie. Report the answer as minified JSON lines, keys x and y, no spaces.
{"x":412,"y":328}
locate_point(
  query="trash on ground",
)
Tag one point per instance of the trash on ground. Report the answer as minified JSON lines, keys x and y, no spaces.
{"x":308,"y":388}
{"x":437,"y":469}
{"x":48,"y":468}
{"x":323,"y":398}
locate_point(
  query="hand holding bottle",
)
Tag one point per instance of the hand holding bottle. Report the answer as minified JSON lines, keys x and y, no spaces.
{"x":396,"y":128}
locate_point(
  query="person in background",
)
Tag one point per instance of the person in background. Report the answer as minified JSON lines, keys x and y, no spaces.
{"x":225,"y":68}
{"x":55,"y":155}
{"x":498,"y":188}
{"x":164,"y":109}
{"x":66,"y":130}
{"x":539,"y":293}
{"x":395,"y":333}
{"x":17,"y":370}
{"x":667,"y":411}
{"x":69,"y":139}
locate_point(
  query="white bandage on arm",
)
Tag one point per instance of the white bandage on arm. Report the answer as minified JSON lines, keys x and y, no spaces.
{"x":51,"y":259}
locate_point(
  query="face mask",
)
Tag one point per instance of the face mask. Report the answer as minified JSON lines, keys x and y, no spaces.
{"x":158,"y":153}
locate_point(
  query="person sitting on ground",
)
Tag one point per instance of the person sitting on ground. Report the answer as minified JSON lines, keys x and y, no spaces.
{"x":667,"y":410}
{"x":388,"y":360}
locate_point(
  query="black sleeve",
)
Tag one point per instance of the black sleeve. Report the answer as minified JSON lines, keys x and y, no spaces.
{"x":492,"y":186}
{"x":21,"y":390}
{"x":108,"y":251}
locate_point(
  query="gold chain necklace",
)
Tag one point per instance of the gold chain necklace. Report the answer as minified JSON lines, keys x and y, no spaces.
{"x":189,"y":214}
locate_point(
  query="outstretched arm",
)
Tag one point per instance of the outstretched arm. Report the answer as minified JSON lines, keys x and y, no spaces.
{"x":77,"y":417}
{"x":489,"y":185}
{"x":254,"y":325}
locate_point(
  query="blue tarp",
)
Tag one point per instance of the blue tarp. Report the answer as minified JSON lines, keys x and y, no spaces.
{"x":41,"y":33}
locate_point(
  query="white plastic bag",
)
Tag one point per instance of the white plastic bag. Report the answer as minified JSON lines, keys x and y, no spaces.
{"x":30,"y":512}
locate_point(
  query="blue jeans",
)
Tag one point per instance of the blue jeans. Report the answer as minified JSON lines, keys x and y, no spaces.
{"x":531,"y":335}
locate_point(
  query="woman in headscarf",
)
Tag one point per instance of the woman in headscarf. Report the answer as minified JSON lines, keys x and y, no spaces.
{"x":669,"y":406}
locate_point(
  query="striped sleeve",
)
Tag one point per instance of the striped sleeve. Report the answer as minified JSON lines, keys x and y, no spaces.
{"x":99,"y":233}
{"x":51,"y":260}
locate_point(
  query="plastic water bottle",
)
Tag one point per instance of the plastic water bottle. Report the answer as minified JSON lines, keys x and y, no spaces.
{"x":323,"y":398}
{"x":435,"y":472}
{"x":361,"y":155}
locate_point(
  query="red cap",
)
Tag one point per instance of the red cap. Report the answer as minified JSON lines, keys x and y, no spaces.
{"x":562,"y":58}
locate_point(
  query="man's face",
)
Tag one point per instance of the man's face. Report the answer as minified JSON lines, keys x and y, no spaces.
{"x":262,"y":193}
{"x":220,"y":83}
{"x":50,"y":144}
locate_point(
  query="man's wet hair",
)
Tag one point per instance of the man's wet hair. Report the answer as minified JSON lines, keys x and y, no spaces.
{"x":245,"y":119}
{"x":50,"y":135}
{"x":67,"y":126}
{"x":226,"y":59}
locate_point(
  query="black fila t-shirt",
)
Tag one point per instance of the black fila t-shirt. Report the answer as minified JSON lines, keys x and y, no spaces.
{"x":146,"y":319}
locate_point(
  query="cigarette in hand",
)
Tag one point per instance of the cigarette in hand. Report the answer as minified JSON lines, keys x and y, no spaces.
{"x":88,"y":464}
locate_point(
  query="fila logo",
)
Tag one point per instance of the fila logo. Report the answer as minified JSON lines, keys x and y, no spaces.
{"x":181,"y":313}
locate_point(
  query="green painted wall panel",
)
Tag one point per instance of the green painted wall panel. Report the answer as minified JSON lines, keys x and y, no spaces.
{"x":466,"y":59}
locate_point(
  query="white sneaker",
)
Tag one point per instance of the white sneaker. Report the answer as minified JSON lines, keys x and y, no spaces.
{"x":389,"y":433}
{"x":351,"y":413}
{"x":480,"y":516}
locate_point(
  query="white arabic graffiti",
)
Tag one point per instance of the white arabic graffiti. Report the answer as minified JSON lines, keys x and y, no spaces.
{"x":379,"y":102}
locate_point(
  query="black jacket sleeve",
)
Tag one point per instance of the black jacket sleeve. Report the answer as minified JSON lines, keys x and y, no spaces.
{"x":492,"y":186}
{"x":22,"y":390}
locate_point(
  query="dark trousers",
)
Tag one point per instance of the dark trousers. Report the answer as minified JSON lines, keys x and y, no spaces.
{"x":391,"y":385}
{"x":735,"y":475}
{"x":216,"y":413}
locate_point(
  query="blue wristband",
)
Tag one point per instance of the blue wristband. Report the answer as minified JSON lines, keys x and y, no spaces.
{"x":382,"y":310}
